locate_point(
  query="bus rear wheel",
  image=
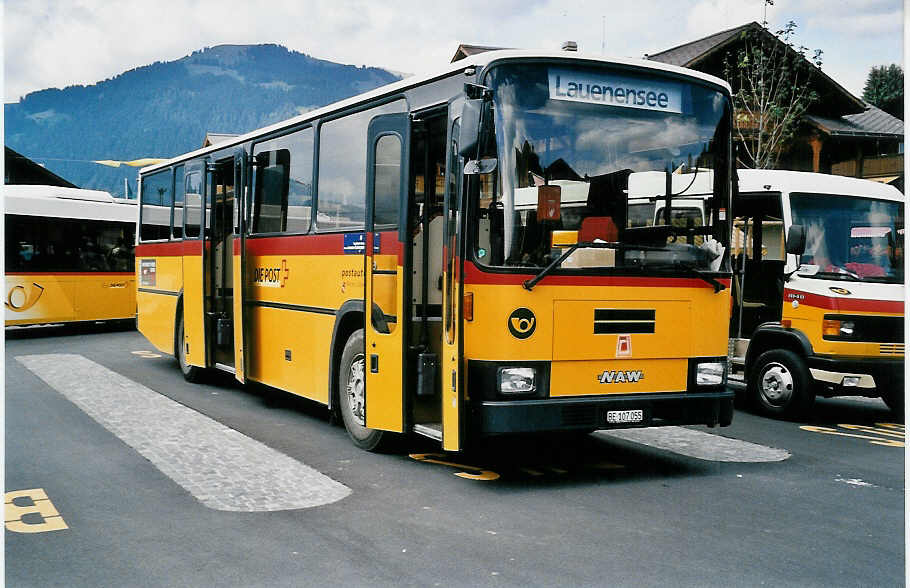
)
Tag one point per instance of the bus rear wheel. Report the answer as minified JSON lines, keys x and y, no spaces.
{"x":191,"y":373}
{"x":780,"y":385}
{"x":352,"y":397}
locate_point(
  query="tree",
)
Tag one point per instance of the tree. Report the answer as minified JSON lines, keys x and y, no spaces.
{"x":885,"y":88}
{"x":771,"y":80}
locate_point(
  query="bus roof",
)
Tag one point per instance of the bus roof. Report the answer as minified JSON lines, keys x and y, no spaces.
{"x":478,"y":60}
{"x":761,"y":180}
{"x":60,"y":202}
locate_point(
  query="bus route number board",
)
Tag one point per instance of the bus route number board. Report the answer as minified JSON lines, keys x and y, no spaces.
{"x":615,"y":417}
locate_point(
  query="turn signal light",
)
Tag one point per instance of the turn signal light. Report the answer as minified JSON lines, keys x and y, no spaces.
{"x":467,"y":306}
{"x":830,"y":328}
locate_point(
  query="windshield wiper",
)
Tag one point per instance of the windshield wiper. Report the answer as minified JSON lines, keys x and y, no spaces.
{"x":529,"y":284}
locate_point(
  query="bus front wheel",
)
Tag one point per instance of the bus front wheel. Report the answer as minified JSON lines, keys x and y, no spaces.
{"x":352,"y":396}
{"x":191,"y":373}
{"x":780,"y":384}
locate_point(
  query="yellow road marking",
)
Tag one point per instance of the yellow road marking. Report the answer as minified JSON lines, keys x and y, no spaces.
{"x":866,"y":429}
{"x":482,"y":474}
{"x":40,"y":505}
{"x":873,"y":440}
{"x":890,"y":426}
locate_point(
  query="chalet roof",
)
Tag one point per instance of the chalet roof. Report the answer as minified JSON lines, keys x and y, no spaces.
{"x":687,"y":54}
{"x":703,"y":54}
{"x":19,"y":169}
{"x":213,"y":138}
{"x":465,"y":50}
{"x":873,"y":123}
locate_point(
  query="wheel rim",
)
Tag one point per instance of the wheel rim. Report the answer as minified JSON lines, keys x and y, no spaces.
{"x":355,"y":388}
{"x":776,"y":384}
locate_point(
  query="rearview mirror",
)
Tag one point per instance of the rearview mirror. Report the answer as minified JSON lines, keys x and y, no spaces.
{"x":480,"y":166}
{"x":469,"y":127}
{"x":796,"y":240}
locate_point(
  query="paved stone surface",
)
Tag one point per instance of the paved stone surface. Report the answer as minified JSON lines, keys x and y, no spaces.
{"x":222,"y":468}
{"x":699,"y":444}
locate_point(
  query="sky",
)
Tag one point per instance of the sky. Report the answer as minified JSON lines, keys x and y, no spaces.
{"x":49,"y":43}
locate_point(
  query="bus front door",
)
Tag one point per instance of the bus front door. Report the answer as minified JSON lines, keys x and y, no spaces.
{"x":219,"y":262}
{"x":452,"y":348}
{"x":385,"y":278}
{"x":241,"y":198}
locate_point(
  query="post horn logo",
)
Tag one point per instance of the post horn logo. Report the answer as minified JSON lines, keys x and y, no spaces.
{"x":522,"y":323}
{"x":22,"y":297}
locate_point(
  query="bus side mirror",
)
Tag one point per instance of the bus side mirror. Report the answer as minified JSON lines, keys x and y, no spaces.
{"x":796,"y":240}
{"x":469,"y":127}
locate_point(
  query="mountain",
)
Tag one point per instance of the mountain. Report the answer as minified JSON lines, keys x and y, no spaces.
{"x":165,"y":109}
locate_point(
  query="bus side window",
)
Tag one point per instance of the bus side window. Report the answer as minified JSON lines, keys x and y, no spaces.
{"x":157,"y":198}
{"x":283,"y":195}
{"x":271,"y":207}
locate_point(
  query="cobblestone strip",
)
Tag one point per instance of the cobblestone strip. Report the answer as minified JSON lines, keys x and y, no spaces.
{"x":699,"y":444}
{"x":223,"y":469}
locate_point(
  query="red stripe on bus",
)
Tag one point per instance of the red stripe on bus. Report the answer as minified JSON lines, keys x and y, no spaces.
{"x":168,"y":249}
{"x":297,"y":245}
{"x":841,"y":304}
{"x":71,"y":273}
{"x":472,"y":275}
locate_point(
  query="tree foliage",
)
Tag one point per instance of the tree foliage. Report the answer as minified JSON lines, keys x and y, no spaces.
{"x":885,"y":88}
{"x":771,"y":79}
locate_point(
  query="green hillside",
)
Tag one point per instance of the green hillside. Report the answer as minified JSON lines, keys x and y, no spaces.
{"x":164,"y":109}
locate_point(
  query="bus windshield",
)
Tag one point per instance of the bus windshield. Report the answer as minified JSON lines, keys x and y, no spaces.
{"x":576,"y":144}
{"x":851,"y":238}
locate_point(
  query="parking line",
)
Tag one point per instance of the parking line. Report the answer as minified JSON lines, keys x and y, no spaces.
{"x":222,"y":468}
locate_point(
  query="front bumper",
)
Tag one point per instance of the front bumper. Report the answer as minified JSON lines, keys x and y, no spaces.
{"x":873,"y":377}
{"x":498,"y":417}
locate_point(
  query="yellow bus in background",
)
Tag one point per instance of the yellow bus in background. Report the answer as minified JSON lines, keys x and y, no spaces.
{"x":452,"y":255}
{"x":68,"y":255}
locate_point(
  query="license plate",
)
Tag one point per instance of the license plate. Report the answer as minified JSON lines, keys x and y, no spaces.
{"x":625,"y":416}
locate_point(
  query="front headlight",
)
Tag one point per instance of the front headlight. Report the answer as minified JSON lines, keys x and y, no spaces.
{"x":712,"y":373}
{"x":517,"y":380}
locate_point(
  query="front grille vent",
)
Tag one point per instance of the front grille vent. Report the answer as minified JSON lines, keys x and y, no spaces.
{"x":892,"y":349}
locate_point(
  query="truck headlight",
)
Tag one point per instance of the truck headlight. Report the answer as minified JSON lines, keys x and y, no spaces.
{"x":711,"y":373}
{"x":517,"y":380}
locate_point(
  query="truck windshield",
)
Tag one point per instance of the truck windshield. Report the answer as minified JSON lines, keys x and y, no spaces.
{"x":586,"y":155}
{"x":851,"y":238}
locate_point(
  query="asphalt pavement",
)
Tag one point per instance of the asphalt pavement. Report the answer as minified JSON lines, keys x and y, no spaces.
{"x":119,"y":473}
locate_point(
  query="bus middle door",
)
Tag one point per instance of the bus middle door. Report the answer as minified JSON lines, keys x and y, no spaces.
{"x":219,"y":262}
{"x":384,"y":276}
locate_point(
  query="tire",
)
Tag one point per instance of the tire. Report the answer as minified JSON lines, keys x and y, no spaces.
{"x":780,"y":385}
{"x":191,"y":373}
{"x":351,"y":397}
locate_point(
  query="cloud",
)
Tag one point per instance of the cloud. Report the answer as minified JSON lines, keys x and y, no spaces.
{"x":55,"y":43}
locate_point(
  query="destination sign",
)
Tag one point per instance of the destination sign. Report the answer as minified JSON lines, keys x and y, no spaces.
{"x":615,"y":90}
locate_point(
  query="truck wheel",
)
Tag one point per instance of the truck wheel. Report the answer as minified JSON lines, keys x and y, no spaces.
{"x":352,"y":397}
{"x":780,"y":384}
{"x":191,"y":373}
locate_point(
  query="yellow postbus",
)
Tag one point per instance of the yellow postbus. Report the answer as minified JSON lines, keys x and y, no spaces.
{"x":452,"y":256}
{"x":68,"y":255}
{"x":819,"y":290}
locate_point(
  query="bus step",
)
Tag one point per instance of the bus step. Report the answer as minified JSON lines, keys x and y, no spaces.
{"x":431,"y":430}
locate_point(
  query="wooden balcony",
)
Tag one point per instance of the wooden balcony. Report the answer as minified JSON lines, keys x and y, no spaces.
{"x":872,"y":167}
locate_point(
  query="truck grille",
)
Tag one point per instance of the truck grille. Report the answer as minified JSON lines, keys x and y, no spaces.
{"x":891,"y":349}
